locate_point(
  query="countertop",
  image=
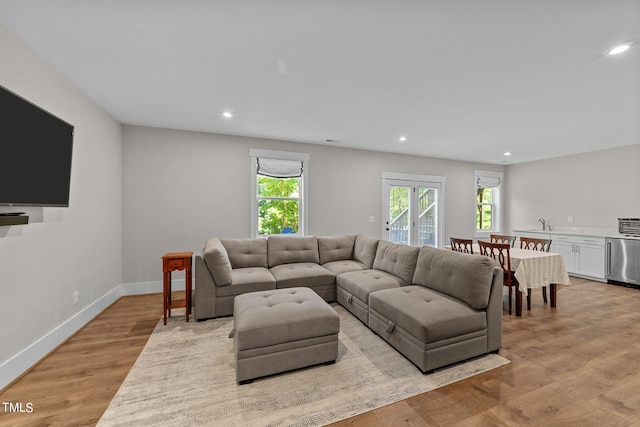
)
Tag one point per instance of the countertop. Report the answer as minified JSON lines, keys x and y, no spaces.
{"x":576,"y":231}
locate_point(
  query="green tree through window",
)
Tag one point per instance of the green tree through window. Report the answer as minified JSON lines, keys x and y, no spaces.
{"x":278,"y":205}
{"x":485,"y":207}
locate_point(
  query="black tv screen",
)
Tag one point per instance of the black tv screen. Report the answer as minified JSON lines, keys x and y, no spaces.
{"x":35,"y":154}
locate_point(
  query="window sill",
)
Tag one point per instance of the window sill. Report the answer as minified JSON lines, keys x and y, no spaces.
{"x":484,"y":234}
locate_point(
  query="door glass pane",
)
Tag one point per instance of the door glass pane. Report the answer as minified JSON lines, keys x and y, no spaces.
{"x":427,"y":216}
{"x":399,"y":214}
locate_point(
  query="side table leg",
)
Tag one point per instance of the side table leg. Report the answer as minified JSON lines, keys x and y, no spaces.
{"x":187,"y":308}
{"x":166,"y":294}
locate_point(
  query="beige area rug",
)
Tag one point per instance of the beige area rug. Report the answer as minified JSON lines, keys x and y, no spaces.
{"x":185,"y":376}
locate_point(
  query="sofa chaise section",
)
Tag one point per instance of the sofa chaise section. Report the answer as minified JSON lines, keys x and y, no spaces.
{"x":452,"y":312}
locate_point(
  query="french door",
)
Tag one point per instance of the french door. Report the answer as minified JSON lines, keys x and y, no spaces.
{"x":412,"y":209}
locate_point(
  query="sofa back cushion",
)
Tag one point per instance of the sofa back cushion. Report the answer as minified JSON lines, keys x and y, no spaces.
{"x":246,"y":252}
{"x":364,"y":250}
{"x":462,"y":276}
{"x":336,"y":248}
{"x":215,"y":256}
{"x":292,"y":249}
{"x":399,"y":260}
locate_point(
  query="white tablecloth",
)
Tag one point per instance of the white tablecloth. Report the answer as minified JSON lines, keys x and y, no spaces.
{"x":534,"y":269}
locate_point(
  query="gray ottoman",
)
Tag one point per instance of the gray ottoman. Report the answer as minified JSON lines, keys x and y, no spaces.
{"x":281,"y":330}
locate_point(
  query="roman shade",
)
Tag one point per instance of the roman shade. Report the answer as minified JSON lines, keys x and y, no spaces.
{"x":487,"y":181}
{"x":279,"y":168}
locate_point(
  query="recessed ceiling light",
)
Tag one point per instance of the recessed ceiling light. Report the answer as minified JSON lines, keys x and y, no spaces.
{"x":227,"y":114}
{"x":619,"y":49}
{"x":402,"y":139}
{"x":507,"y":153}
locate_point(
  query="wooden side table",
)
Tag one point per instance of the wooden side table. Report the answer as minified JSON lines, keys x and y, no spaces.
{"x":170,"y":262}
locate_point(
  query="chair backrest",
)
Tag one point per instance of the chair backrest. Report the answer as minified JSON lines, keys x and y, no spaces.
{"x":499,"y":252}
{"x":499,"y":238}
{"x":462,"y":245}
{"x":542,"y":245}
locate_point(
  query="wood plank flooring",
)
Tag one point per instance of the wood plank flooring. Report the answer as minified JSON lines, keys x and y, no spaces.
{"x":577,"y":365}
{"x":74,"y":385}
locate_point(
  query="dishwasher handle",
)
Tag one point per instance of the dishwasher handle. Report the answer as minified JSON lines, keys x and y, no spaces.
{"x":608,"y":259}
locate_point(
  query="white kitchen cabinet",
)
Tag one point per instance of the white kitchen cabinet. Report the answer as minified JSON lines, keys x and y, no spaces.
{"x":568,"y":251}
{"x":583,"y":255}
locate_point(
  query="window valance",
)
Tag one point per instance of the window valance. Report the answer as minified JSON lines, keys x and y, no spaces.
{"x":279,"y":168}
{"x":487,"y":181}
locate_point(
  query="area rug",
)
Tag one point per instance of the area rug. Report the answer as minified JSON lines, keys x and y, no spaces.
{"x":185,"y":376}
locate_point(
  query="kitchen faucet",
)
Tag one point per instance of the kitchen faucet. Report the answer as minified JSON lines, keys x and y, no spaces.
{"x":544,"y":226}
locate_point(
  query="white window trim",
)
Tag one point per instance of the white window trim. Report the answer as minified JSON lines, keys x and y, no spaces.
{"x":254,"y":154}
{"x":497,"y":202}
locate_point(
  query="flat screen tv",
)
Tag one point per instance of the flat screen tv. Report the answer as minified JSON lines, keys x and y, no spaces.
{"x":35,"y":154}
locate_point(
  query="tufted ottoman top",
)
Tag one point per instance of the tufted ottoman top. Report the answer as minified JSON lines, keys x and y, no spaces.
{"x":280,"y":316}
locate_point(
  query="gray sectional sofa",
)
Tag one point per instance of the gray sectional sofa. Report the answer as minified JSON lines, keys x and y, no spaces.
{"x":436,"y":307}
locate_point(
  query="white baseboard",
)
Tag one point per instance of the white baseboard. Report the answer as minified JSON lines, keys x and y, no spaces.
{"x":25,"y":359}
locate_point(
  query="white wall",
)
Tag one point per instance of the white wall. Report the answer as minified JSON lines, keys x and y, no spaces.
{"x":63,"y":249}
{"x":595,"y":188}
{"x":180,"y":188}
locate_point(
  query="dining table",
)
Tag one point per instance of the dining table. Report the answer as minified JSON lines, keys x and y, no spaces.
{"x":535,"y":269}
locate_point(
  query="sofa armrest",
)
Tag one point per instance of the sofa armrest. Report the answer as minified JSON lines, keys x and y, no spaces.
{"x":494,"y":312}
{"x":216,"y":258}
{"x":204,"y":297}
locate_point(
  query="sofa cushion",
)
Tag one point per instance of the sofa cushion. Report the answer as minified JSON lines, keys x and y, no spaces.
{"x":364,"y":250}
{"x":427,"y":315}
{"x":305,"y":274}
{"x":217,"y":260}
{"x":346,"y":265}
{"x":336,"y":248}
{"x":292,"y":249}
{"x":248,"y":279}
{"x":246,"y":252}
{"x":361,"y":283}
{"x":399,"y":260}
{"x":462,"y":276}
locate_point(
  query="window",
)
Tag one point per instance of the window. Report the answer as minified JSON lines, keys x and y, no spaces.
{"x":278,"y":188}
{"x":487,"y":186}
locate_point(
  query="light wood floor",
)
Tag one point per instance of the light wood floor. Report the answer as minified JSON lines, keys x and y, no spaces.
{"x":577,"y":365}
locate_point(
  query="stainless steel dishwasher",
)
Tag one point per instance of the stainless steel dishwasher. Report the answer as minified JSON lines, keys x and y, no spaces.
{"x":623,"y":253}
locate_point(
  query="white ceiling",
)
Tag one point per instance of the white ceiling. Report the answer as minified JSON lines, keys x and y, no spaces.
{"x":462,"y":79}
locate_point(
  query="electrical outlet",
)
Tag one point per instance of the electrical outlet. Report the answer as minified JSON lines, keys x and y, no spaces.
{"x":76,"y":298}
{"x":569,"y":219}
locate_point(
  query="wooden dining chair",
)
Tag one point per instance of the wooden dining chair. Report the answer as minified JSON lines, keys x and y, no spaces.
{"x":533,"y":244}
{"x":462,"y":245}
{"x":500,"y":252}
{"x":500,"y":238}
{"x":543,"y":245}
